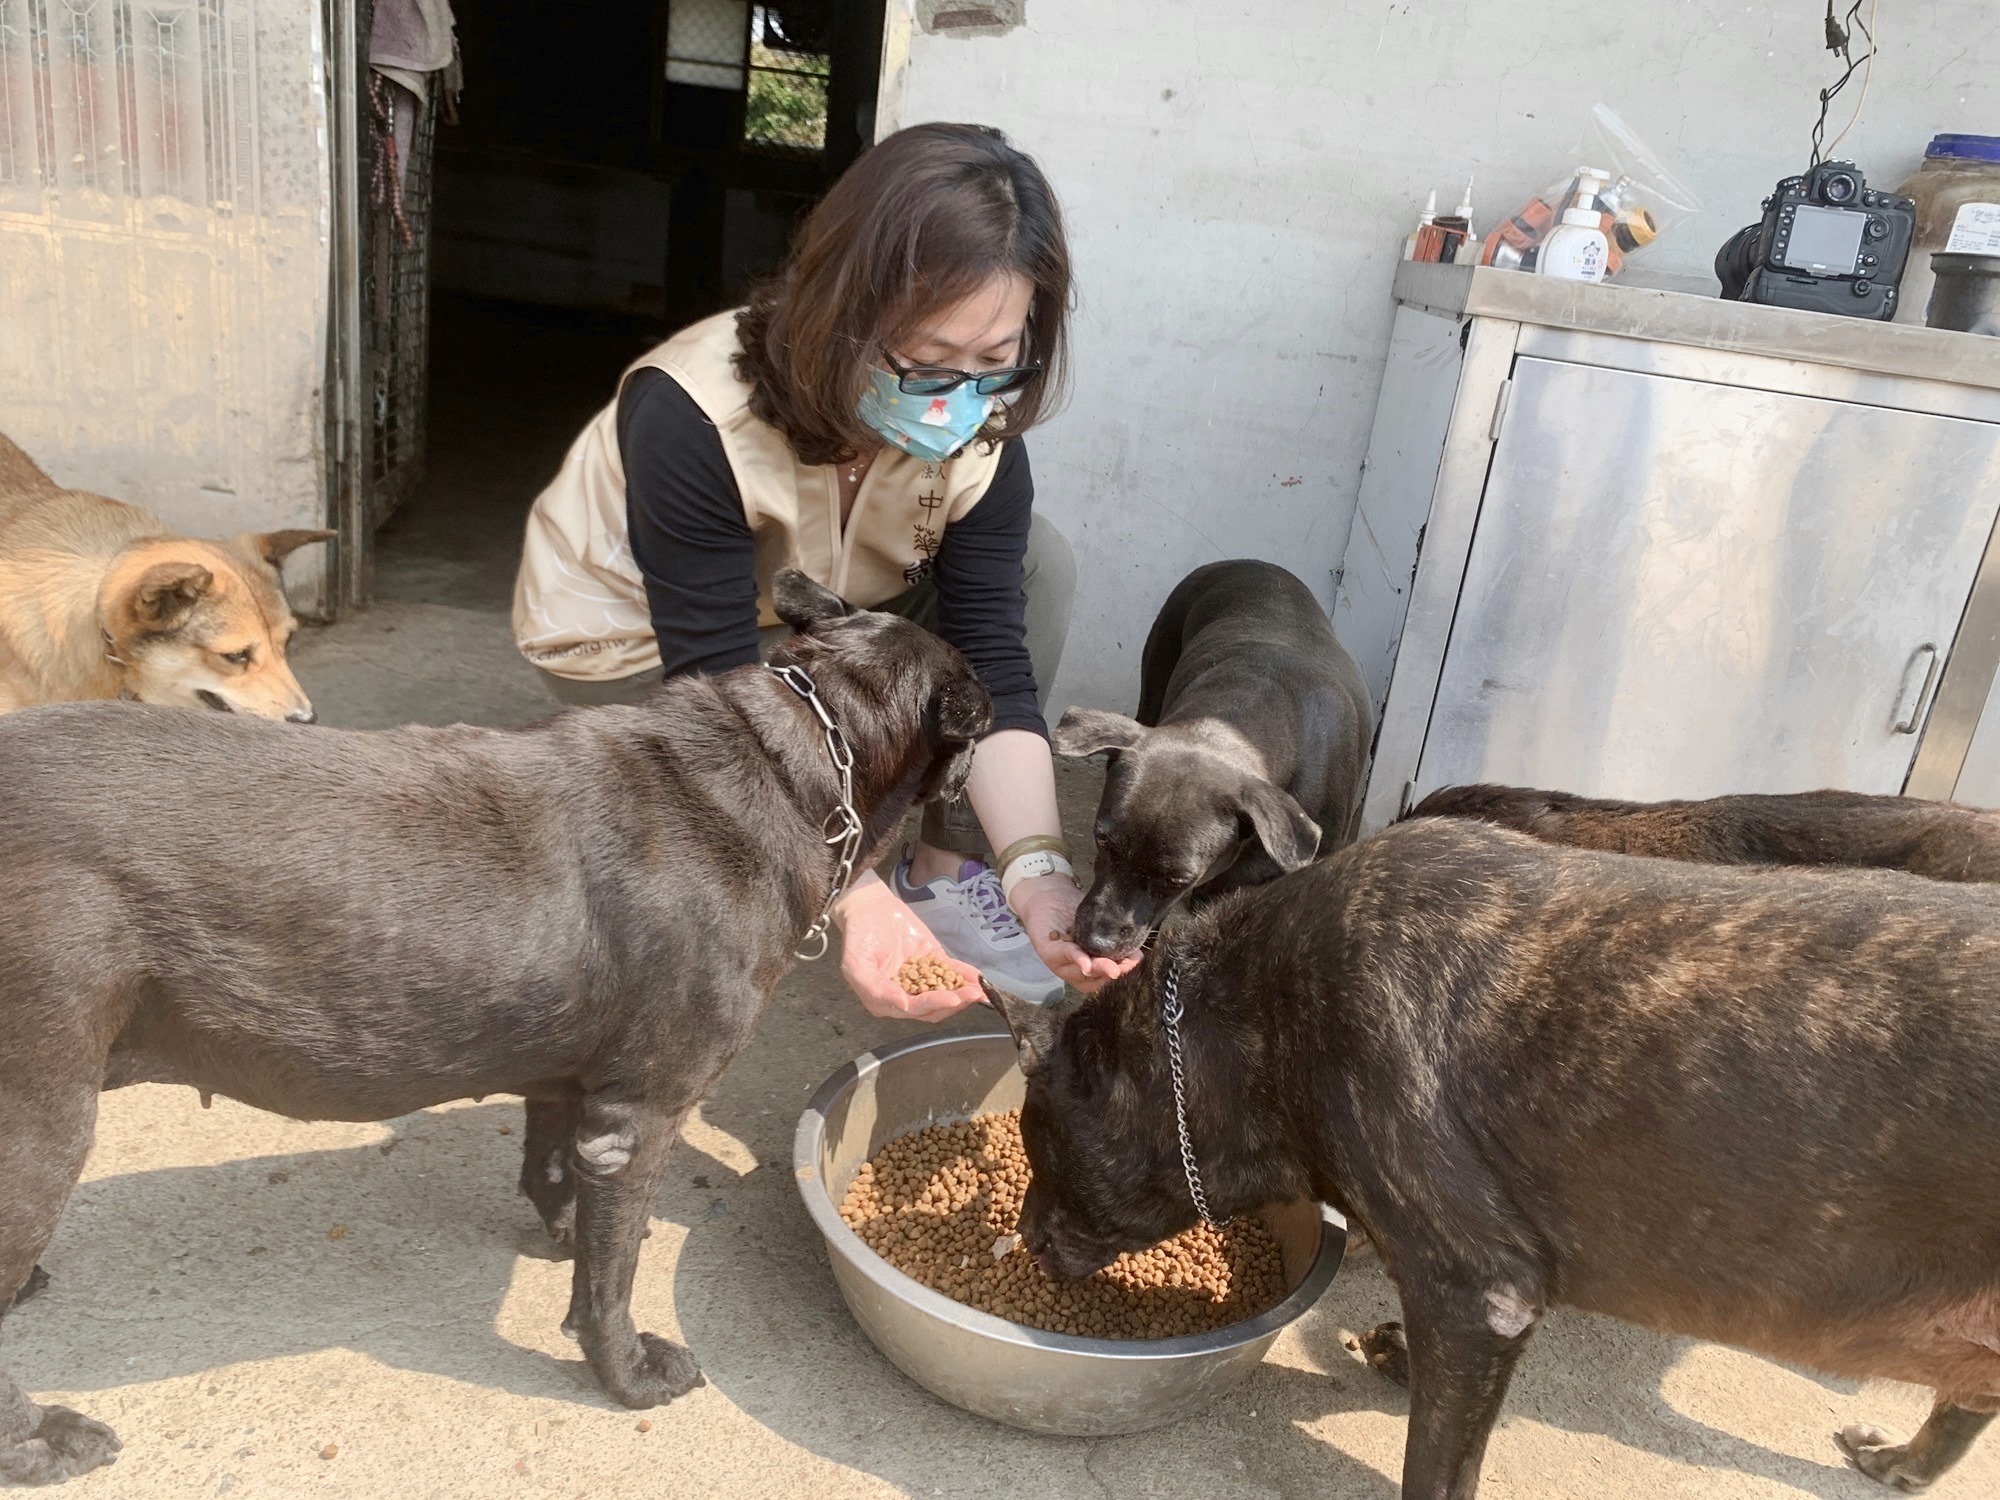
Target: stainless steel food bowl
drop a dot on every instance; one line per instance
(1045, 1382)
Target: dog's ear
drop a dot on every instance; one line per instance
(1092, 731)
(1035, 1027)
(963, 710)
(949, 783)
(167, 593)
(1281, 825)
(275, 546)
(801, 603)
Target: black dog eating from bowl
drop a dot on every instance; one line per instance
(1760, 1107)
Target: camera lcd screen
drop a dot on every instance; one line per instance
(1825, 240)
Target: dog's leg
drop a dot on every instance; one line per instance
(548, 1178)
(1464, 1344)
(46, 1128)
(38, 1279)
(1946, 1436)
(1387, 1352)
(620, 1157)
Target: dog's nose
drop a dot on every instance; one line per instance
(305, 715)
(1107, 937)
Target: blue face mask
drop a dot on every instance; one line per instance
(927, 427)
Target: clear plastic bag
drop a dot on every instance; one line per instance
(1644, 198)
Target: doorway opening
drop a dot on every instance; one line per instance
(610, 172)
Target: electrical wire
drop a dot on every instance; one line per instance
(1868, 72)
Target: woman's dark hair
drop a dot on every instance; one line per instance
(926, 217)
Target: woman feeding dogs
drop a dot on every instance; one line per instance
(861, 419)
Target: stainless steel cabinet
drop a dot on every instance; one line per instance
(1648, 545)
(1678, 588)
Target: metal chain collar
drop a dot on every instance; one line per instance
(1170, 1022)
(843, 824)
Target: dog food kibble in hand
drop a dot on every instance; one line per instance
(942, 1206)
(919, 976)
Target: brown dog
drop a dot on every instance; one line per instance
(1940, 840)
(1755, 1106)
(99, 600)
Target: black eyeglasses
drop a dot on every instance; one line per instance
(930, 380)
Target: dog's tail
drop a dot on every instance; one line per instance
(20, 475)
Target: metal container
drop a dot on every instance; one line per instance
(1966, 294)
(1045, 1382)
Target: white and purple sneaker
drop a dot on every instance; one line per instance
(973, 923)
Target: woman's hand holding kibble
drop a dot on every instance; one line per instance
(881, 942)
(1047, 907)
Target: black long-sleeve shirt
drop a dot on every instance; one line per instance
(697, 556)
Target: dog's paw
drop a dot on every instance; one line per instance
(558, 1225)
(64, 1444)
(665, 1370)
(37, 1279)
(536, 1244)
(1388, 1351)
(1878, 1456)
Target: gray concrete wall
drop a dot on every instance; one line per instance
(1239, 176)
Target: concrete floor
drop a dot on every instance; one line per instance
(240, 1295)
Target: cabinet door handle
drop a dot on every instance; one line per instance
(1908, 720)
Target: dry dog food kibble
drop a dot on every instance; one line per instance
(919, 976)
(941, 1205)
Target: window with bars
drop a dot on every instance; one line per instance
(789, 64)
(777, 57)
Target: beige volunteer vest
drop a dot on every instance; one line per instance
(579, 603)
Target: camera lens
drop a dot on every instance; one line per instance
(1839, 188)
(1736, 260)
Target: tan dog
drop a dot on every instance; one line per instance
(98, 600)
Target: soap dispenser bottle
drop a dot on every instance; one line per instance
(1576, 249)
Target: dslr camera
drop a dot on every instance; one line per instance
(1827, 243)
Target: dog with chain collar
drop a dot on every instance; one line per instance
(591, 912)
(1760, 1107)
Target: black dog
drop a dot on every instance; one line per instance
(1940, 840)
(591, 912)
(1755, 1106)
(1247, 756)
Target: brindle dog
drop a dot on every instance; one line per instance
(1755, 1106)
(592, 912)
(1938, 839)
